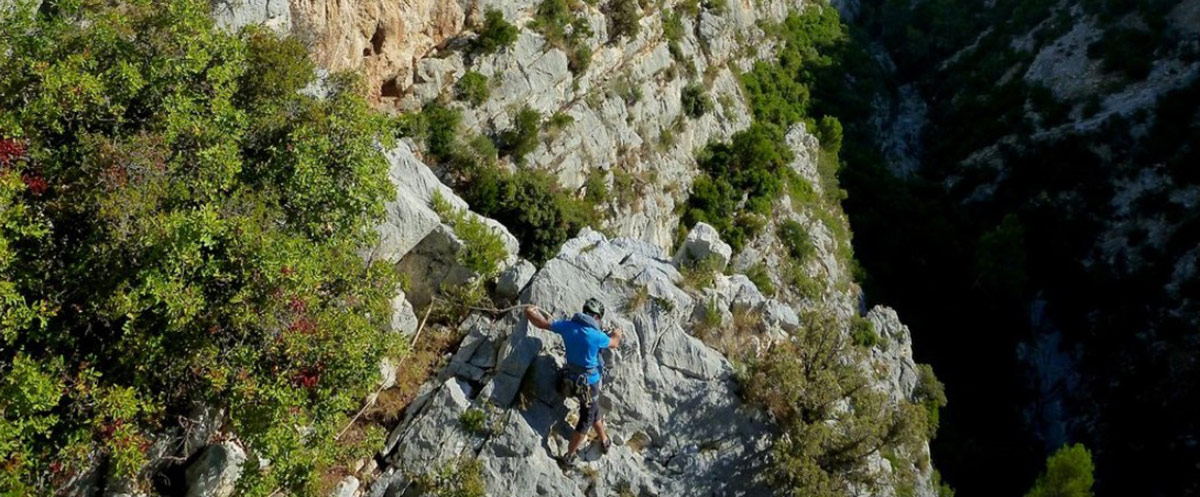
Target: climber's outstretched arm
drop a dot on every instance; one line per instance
(536, 317)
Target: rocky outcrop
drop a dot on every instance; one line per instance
(216, 472)
(670, 400)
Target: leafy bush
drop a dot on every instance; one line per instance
(483, 250)
(473, 421)
(1068, 474)
(862, 330)
(931, 393)
(557, 22)
(823, 449)
(522, 138)
(596, 187)
(739, 182)
(624, 16)
(461, 477)
(672, 26)
(532, 206)
(695, 100)
(795, 238)
(758, 275)
(699, 274)
(174, 231)
(441, 128)
(473, 87)
(496, 33)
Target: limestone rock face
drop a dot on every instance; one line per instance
(384, 39)
(703, 242)
(669, 400)
(216, 472)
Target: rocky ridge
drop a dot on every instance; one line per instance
(672, 404)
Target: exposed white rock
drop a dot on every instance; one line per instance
(404, 320)
(703, 242)
(236, 14)
(514, 279)
(667, 394)
(348, 487)
(216, 471)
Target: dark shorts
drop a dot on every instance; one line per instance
(589, 408)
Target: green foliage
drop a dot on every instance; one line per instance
(596, 187)
(862, 331)
(473, 87)
(761, 279)
(779, 92)
(483, 250)
(672, 26)
(522, 138)
(441, 125)
(532, 206)
(699, 274)
(473, 421)
(180, 225)
(822, 449)
(559, 121)
(795, 238)
(557, 21)
(462, 477)
(931, 393)
(1068, 474)
(695, 100)
(739, 182)
(624, 16)
(496, 34)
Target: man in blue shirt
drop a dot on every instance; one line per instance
(583, 338)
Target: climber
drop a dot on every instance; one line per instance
(583, 338)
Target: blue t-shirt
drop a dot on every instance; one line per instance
(583, 343)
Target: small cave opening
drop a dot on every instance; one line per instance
(377, 40)
(390, 88)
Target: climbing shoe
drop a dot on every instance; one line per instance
(605, 445)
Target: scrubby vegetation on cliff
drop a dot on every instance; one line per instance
(179, 224)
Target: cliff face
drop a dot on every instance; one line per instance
(673, 402)
(1044, 149)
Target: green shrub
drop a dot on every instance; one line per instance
(441, 126)
(596, 187)
(557, 22)
(695, 100)
(496, 34)
(699, 274)
(672, 26)
(758, 275)
(862, 330)
(522, 138)
(483, 250)
(179, 225)
(623, 16)
(932, 394)
(559, 121)
(739, 182)
(795, 238)
(473, 421)
(823, 450)
(1068, 474)
(473, 87)
(461, 477)
(534, 208)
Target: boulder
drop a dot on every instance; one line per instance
(404, 320)
(514, 279)
(348, 487)
(216, 471)
(779, 315)
(703, 242)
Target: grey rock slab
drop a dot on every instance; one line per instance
(216, 471)
(703, 242)
(514, 279)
